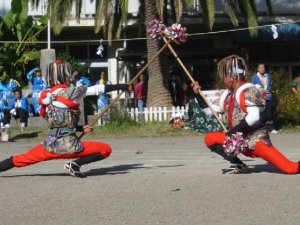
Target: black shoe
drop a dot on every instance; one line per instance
(236, 169)
(74, 170)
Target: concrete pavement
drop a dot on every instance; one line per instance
(170, 180)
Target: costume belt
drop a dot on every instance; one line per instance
(61, 132)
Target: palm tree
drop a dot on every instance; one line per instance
(158, 93)
(112, 14)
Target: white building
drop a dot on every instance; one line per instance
(123, 59)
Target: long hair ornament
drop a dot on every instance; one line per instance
(58, 72)
(232, 66)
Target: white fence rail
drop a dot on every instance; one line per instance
(150, 114)
(162, 113)
(155, 113)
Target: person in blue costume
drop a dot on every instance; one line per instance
(78, 80)
(103, 98)
(18, 108)
(37, 84)
(8, 85)
(263, 82)
(3, 106)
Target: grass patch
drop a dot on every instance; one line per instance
(115, 129)
(123, 129)
(134, 129)
(290, 128)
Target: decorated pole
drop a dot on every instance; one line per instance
(130, 83)
(157, 30)
(193, 81)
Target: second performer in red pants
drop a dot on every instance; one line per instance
(243, 106)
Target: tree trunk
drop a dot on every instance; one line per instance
(158, 92)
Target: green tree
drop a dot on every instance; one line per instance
(73, 61)
(20, 31)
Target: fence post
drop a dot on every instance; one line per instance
(132, 113)
(146, 114)
(182, 110)
(136, 114)
(155, 113)
(165, 113)
(159, 114)
(177, 109)
(173, 110)
(150, 114)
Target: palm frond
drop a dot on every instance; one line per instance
(101, 14)
(124, 11)
(78, 6)
(189, 3)
(109, 30)
(120, 17)
(252, 21)
(58, 12)
(208, 12)
(178, 9)
(231, 11)
(269, 7)
(160, 8)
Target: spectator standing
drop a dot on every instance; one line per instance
(140, 91)
(296, 85)
(103, 79)
(174, 88)
(37, 84)
(263, 81)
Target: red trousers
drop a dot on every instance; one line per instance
(268, 153)
(39, 154)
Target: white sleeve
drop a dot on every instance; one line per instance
(252, 115)
(96, 89)
(208, 111)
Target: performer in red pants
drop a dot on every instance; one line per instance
(243, 105)
(60, 107)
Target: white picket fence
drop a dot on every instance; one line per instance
(162, 113)
(155, 113)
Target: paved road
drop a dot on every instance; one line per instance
(172, 181)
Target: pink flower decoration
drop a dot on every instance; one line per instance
(157, 30)
(235, 144)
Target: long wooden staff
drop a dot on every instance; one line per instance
(130, 83)
(193, 81)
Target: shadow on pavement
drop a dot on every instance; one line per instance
(25, 136)
(36, 175)
(114, 170)
(261, 168)
(122, 169)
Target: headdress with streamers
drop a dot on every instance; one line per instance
(232, 66)
(57, 73)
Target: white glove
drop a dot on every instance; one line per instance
(259, 87)
(13, 112)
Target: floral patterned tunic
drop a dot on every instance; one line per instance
(63, 123)
(235, 105)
